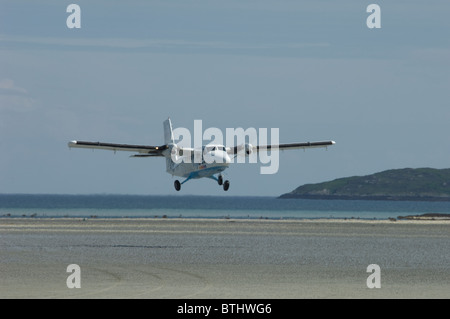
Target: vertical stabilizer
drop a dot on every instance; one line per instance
(168, 135)
(168, 140)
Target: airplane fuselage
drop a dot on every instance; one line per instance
(211, 160)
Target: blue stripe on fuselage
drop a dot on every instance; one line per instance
(207, 172)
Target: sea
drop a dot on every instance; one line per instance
(187, 206)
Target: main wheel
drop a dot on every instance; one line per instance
(226, 185)
(177, 185)
(220, 180)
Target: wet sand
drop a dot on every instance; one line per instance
(196, 258)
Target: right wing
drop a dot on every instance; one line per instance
(143, 150)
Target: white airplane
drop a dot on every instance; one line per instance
(215, 158)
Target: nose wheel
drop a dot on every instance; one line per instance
(177, 185)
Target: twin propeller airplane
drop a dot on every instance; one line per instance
(180, 161)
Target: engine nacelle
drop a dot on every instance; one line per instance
(176, 152)
(248, 149)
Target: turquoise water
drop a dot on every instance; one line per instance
(113, 206)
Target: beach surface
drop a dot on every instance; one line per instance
(223, 258)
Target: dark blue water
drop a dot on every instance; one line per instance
(23, 205)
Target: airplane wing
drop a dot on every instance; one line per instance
(143, 150)
(294, 146)
(248, 148)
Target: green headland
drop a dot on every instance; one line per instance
(422, 184)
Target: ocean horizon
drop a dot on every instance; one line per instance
(200, 206)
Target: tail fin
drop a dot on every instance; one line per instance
(168, 135)
(168, 139)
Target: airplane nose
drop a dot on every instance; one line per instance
(217, 158)
(222, 158)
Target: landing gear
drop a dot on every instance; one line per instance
(218, 179)
(226, 184)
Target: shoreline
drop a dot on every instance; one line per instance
(413, 219)
(393, 198)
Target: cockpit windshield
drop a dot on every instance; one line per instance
(215, 148)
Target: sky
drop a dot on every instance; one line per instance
(313, 69)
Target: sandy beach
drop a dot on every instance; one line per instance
(223, 258)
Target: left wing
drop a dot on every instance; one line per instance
(143, 150)
(293, 146)
(248, 148)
